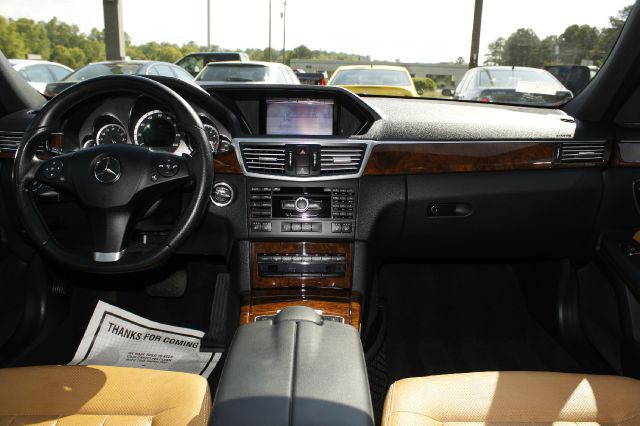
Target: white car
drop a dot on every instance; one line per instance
(252, 72)
(40, 73)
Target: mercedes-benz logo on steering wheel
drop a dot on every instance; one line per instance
(107, 170)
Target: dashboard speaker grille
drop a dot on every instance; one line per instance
(583, 152)
(341, 160)
(264, 159)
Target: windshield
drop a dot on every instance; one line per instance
(98, 70)
(239, 73)
(371, 77)
(439, 44)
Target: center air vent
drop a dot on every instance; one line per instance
(9, 141)
(582, 152)
(341, 160)
(264, 159)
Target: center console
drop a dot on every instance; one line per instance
(295, 368)
(302, 249)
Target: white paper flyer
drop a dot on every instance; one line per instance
(119, 338)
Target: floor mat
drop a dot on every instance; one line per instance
(459, 318)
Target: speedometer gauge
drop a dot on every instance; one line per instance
(213, 136)
(111, 133)
(156, 129)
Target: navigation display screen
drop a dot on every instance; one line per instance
(300, 117)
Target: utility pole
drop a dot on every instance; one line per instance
(269, 30)
(209, 25)
(284, 32)
(113, 30)
(475, 35)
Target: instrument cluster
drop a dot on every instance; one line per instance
(141, 121)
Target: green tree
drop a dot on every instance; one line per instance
(11, 43)
(496, 52)
(609, 36)
(73, 57)
(577, 43)
(523, 48)
(34, 35)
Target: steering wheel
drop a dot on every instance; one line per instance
(114, 183)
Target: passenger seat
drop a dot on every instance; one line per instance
(513, 398)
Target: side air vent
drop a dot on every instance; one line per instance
(341, 160)
(9, 141)
(264, 159)
(582, 152)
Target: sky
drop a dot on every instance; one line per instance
(409, 30)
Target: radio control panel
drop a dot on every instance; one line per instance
(302, 211)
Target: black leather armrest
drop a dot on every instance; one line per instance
(294, 370)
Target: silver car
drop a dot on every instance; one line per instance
(252, 72)
(520, 85)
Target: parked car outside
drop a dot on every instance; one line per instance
(573, 77)
(312, 78)
(99, 69)
(195, 62)
(522, 85)
(252, 72)
(379, 80)
(40, 73)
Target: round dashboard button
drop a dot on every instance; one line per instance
(302, 204)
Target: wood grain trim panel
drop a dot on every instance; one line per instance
(625, 154)
(303, 248)
(347, 306)
(227, 163)
(419, 158)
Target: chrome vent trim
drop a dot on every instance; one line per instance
(583, 152)
(10, 141)
(339, 160)
(263, 159)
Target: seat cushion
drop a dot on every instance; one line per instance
(509, 398)
(98, 395)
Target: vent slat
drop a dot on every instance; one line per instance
(582, 152)
(267, 160)
(341, 160)
(10, 141)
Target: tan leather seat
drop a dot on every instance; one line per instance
(513, 398)
(97, 395)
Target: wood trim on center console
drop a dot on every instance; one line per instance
(342, 303)
(301, 248)
(227, 163)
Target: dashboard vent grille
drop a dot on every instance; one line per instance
(583, 152)
(9, 141)
(265, 159)
(341, 160)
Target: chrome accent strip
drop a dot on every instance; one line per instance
(108, 257)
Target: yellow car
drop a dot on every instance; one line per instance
(384, 80)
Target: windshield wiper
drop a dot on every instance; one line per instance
(237, 79)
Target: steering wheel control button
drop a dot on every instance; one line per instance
(168, 167)
(222, 194)
(54, 170)
(107, 170)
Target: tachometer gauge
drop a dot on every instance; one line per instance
(156, 129)
(213, 136)
(111, 133)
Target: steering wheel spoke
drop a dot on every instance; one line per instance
(111, 230)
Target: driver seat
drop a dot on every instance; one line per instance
(100, 395)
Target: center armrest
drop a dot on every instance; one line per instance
(294, 370)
